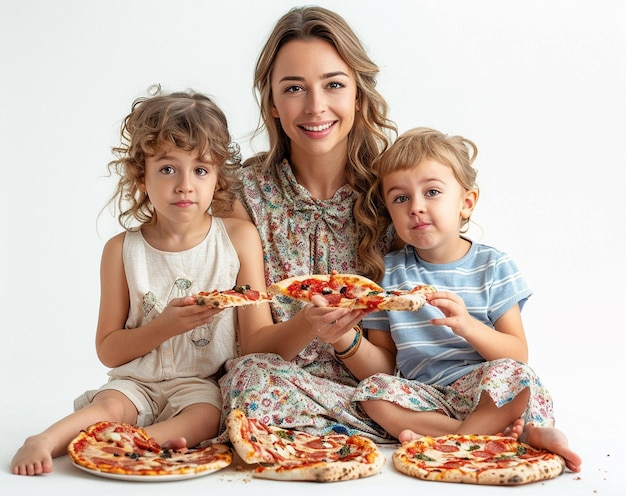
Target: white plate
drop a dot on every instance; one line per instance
(146, 478)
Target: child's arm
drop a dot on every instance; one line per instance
(239, 212)
(245, 238)
(116, 345)
(507, 340)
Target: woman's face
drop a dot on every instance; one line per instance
(314, 96)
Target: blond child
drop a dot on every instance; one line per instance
(461, 359)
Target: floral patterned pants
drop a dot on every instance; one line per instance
(501, 379)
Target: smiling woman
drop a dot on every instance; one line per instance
(326, 122)
(314, 97)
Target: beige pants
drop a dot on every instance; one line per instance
(158, 401)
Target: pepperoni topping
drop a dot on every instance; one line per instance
(333, 299)
(496, 447)
(446, 448)
(149, 444)
(319, 444)
(481, 454)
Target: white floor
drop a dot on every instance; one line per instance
(44, 369)
(602, 475)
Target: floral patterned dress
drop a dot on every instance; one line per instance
(300, 235)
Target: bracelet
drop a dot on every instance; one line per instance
(352, 349)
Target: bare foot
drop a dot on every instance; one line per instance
(175, 444)
(33, 458)
(515, 430)
(407, 435)
(553, 440)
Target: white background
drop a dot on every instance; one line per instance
(538, 85)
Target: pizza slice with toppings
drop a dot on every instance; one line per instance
(350, 291)
(285, 454)
(236, 297)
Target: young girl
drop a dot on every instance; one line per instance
(326, 122)
(175, 162)
(462, 358)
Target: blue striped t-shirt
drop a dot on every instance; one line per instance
(486, 279)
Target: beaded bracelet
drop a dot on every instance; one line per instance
(352, 349)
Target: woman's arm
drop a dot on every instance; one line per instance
(373, 355)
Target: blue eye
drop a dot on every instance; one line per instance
(431, 193)
(401, 199)
(167, 170)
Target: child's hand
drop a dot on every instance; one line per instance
(453, 307)
(182, 315)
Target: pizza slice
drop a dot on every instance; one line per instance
(397, 300)
(236, 297)
(284, 454)
(127, 450)
(350, 291)
(474, 459)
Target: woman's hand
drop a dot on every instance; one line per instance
(329, 324)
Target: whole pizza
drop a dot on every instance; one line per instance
(289, 455)
(111, 448)
(474, 459)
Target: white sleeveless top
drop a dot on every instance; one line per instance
(154, 278)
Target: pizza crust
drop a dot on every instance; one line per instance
(321, 471)
(240, 436)
(297, 456)
(410, 301)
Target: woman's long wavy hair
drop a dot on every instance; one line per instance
(372, 131)
(187, 120)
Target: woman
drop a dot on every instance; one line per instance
(325, 122)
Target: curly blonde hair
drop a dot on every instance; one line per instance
(186, 120)
(372, 131)
(410, 149)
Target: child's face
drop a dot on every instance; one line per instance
(314, 96)
(180, 184)
(426, 204)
